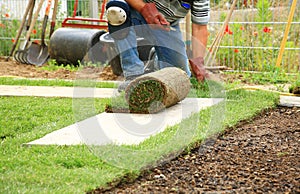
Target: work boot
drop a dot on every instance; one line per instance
(127, 81)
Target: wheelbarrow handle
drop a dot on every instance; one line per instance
(102, 9)
(102, 24)
(36, 15)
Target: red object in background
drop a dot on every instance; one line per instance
(74, 22)
(227, 30)
(267, 29)
(253, 3)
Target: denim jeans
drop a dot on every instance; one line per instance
(169, 46)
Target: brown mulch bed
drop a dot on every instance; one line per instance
(258, 156)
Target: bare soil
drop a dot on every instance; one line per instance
(258, 156)
(14, 68)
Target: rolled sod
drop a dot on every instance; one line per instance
(155, 91)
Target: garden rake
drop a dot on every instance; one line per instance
(23, 51)
(28, 9)
(211, 54)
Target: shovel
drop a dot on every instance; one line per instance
(38, 54)
(21, 54)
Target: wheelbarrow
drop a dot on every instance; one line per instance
(78, 39)
(73, 45)
(86, 23)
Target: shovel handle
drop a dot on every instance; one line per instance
(53, 20)
(36, 15)
(45, 21)
(30, 15)
(29, 6)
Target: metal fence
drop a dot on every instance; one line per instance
(253, 37)
(251, 41)
(12, 13)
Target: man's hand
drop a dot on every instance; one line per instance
(198, 70)
(152, 16)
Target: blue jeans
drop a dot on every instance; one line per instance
(169, 46)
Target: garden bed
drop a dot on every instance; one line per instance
(257, 156)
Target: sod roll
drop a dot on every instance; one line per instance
(155, 91)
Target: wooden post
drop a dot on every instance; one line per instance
(286, 33)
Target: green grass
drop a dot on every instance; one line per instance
(77, 169)
(53, 66)
(276, 76)
(239, 105)
(207, 89)
(53, 82)
(295, 85)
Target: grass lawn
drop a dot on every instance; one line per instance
(53, 82)
(78, 169)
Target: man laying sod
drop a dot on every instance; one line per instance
(158, 22)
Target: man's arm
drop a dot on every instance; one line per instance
(136, 4)
(200, 18)
(200, 34)
(150, 13)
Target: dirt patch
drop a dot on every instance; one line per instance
(14, 68)
(260, 156)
